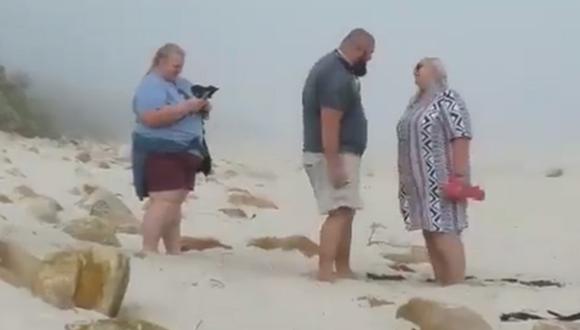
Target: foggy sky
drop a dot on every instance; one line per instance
(515, 63)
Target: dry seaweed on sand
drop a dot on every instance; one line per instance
(375, 302)
(385, 277)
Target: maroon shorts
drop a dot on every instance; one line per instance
(171, 171)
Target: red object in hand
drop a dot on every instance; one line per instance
(456, 190)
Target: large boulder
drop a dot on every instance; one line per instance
(94, 278)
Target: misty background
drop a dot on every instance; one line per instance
(515, 63)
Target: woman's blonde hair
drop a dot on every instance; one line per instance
(164, 52)
(439, 68)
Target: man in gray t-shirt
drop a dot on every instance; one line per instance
(335, 138)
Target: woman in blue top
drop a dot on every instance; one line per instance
(167, 146)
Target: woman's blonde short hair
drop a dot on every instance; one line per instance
(165, 51)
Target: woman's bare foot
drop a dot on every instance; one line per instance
(329, 277)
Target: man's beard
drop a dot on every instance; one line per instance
(359, 68)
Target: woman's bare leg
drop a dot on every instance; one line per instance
(450, 253)
(172, 232)
(162, 213)
(434, 256)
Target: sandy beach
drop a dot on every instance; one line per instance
(525, 230)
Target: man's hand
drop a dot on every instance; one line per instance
(337, 173)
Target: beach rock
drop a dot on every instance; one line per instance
(43, 208)
(103, 203)
(83, 157)
(554, 173)
(200, 244)
(94, 279)
(415, 255)
(432, 315)
(234, 213)
(104, 165)
(25, 191)
(556, 326)
(5, 199)
(247, 199)
(93, 229)
(296, 242)
(115, 324)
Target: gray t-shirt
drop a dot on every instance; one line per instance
(331, 84)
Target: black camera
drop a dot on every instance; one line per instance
(203, 92)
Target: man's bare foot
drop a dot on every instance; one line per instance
(329, 277)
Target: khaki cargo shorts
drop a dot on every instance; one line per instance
(327, 197)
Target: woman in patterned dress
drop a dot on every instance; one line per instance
(433, 142)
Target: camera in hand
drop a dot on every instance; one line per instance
(203, 92)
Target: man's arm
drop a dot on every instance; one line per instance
(330, 121)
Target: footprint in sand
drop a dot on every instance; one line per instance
(16, 173)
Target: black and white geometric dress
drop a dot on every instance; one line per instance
(425, 132)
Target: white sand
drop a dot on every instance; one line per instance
(527, 229)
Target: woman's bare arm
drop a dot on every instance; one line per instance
(169, 114)
(460, 151)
